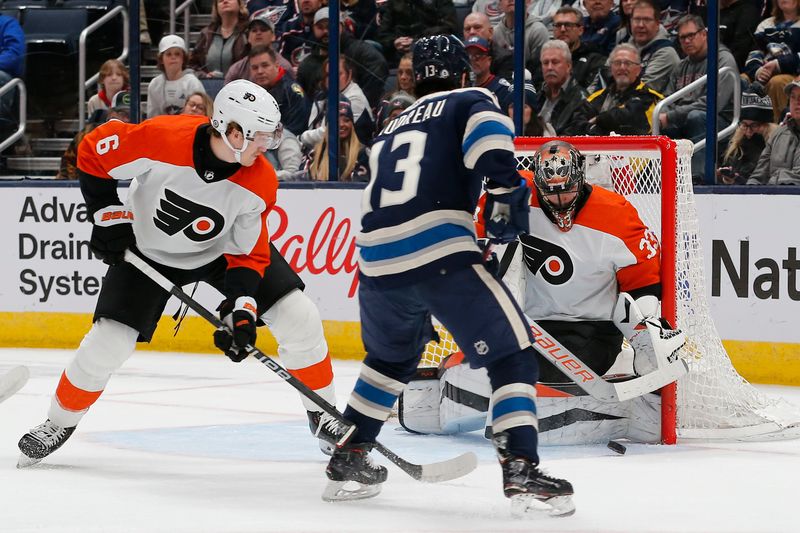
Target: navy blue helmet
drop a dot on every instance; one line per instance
(440, 57)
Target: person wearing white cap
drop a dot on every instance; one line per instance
(167, 92)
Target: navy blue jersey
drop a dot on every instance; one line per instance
(426, 167)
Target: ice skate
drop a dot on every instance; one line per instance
(352, 474)
(326, 429)
(40, 442)
(531, 490)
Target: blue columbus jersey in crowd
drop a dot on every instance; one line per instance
(427, 167)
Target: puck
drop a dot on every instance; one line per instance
(616, 447)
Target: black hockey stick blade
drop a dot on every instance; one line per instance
(433, 472)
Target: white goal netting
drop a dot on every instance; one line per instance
(713, 400)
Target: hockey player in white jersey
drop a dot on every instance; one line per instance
(588, 272)
(419, 256)
(196, 211)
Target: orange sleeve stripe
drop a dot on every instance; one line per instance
(72, 398)
(316, 376)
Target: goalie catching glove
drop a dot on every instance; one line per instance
(506, 211)
(112, 234)
(240, 317)
(655, 343)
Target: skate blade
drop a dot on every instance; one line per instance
(24, 461)
(528, 506)
(336, 491)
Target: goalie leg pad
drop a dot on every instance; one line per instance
(102, 351)
(295, 323)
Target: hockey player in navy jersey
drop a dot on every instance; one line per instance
(588, 272)
(419, 257)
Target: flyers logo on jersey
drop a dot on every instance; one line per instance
(197, 222)
(552, 262)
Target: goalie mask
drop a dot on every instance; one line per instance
(253, 109)
(558, 176)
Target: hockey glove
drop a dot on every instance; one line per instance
(506, 213)
(240, 317)
(112, 234)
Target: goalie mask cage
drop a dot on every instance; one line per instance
(712, 402)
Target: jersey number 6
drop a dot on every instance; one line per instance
(107, 143)
(408, 167)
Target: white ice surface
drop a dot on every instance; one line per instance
(196, 443)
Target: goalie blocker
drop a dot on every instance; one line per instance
(454, 398)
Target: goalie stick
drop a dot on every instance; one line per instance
(431, 472)
(12, 381)
(587, 379)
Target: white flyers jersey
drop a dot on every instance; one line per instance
(577, 275)
(181, 219)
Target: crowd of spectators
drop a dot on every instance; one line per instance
(593, 67)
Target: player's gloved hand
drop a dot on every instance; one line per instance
(112, 234)
(240, 317)
(506, 213)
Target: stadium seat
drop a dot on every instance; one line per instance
(51, 36)
(212, 86)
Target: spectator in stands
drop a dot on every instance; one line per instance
(490, 8)
(260, 30)
(481, 62)
(287, 158)
(297, 39)
(738, 20)
(167, 92)
(198, 103)
(370, 68)
(120, 109)
(223, 42)
(356, 101)
(625, 107)
(686, 117)
(544, 10)
(774, 63)
(535, 34)
(279, 12)
(624, 29)
(532, 125)
(405, 75)
(587, 59)
(659, 57)
(746, 145)
(353, 164)
(393, 106)
(600, 25)
(113, 77)
(477, 24)
(561, 96)
(265, 71)
(779, 163)
(361, 19)
(403, 21)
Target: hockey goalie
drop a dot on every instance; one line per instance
(588, 274)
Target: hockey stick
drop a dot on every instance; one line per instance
(432, 473)
(587, 379)
(12, 381)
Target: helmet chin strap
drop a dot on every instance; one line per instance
(237, 154)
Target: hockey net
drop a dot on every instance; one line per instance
(713, 401)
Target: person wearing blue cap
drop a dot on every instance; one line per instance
(480, 60)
